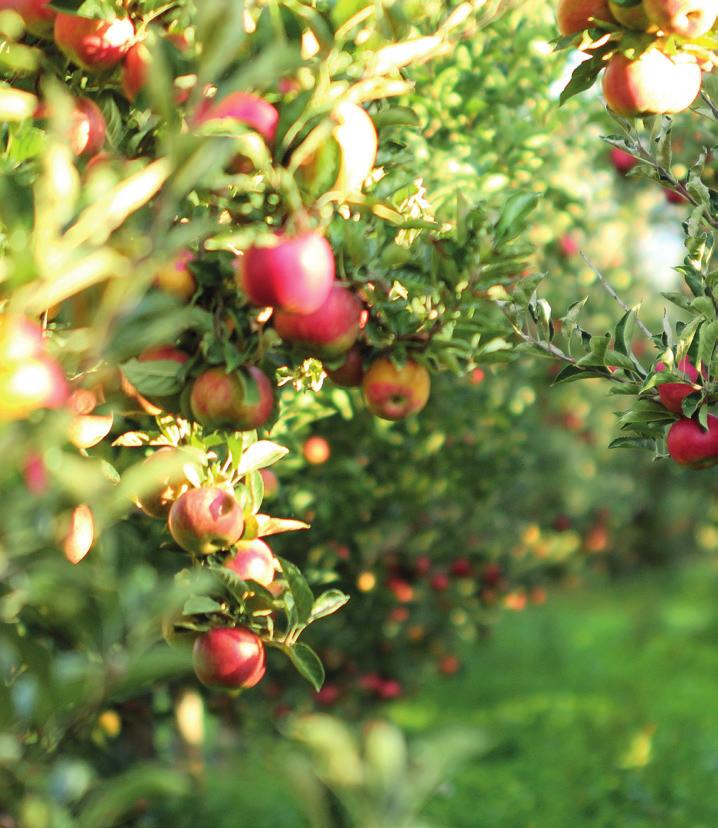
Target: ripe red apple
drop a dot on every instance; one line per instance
(390, 689)
(30, 384)
(271, 483)
(402, 589)
(351, 372)
(87, 134)
(574, 15)
(176, 277)
(393, 393)
(20, 338)
(328, 695)
(622, 160)
(477, 376)
(449, 665)
(316, 450)
(690, 446)
(329, 331)
(491, 575)
(94, 45)
(461, 567)
(229, 658)
(672, 394)
(246, 108)
(632, 17)
(295, 275)
(135, 70)
(568, 245)
(37, 16)
(672, 197)
(685, 18)
(34, 472)
(203, 521)
(439, 582)
(422, 565)
(242, 400)
(654, 84)
(252, 560)
(164, 467)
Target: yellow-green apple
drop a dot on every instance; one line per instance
(203, 521)
(672, 394)
(295, 274)
(78, 533)
(36, 14)
(685, 18)
(229, 658)
(575, 15)
(135, 70)
(165, 470)
(393, 392)
(349, 155)
(653, 84)
(252, 560)
(328, 332)
(316, 450)
(176, 277)
(93, 45)
(351, 372)
(689, 445)
(632, 17)
(242, 400)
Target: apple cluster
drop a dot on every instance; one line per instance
(654, 56)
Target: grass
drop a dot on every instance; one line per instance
(600, 708)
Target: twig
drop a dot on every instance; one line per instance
(612, 293)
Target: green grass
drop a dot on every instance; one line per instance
(602, 705)
(601, 708)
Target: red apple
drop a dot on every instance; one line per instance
(449, 665)
(316, 450)
(203, 521)
(672, 197)
(87, 134)
(246, 108)
(135, 70)
(393, 393)
(573, 16)
(672, 394)
(461, 567)
(163, 467)
(351, 372)
(294, 275)
(328, 332)
(242, 400)
(568, 245)
(491, 575)
(37, 16)
(654, 84)
(402, 589)
(328, 695)
(477, 376)
(271, 483)
(229, 658)
(622, 160)
(94, 45)
(20, 338)
(29, 385)
(689, 445)
(252, 560)
(439, 582)
(686, 18)
(390, 689)
(422, 565)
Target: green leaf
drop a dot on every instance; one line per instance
(260, 455)
(200, 605)
(308, 664)
(515, 210)
(328, 603)
(583, 77)
(298, 586)
(156, 377)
